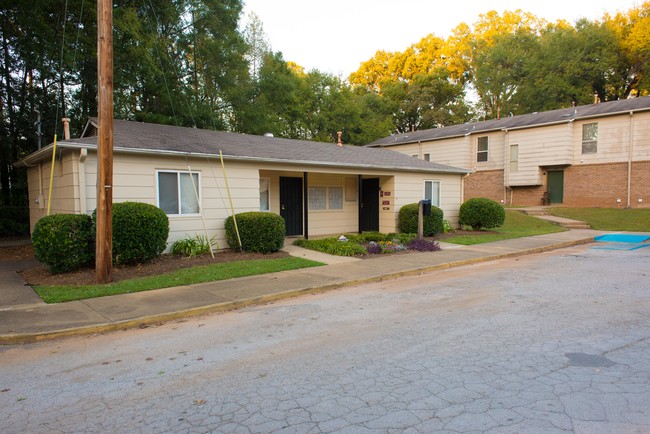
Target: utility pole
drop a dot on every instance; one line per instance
(104, 235)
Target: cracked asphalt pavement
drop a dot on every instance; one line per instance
(552, 342)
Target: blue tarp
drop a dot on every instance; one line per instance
(622, 238)
(623, 241)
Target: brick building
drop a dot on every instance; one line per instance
(588, 156)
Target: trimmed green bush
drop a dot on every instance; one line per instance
(481, 213)
(64, 242)
(261, 232)
(140, 232)
(407, 220)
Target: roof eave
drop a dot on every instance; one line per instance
(41, 154)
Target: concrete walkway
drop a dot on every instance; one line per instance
(25, 319)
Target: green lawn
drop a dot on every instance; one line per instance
(186, 276)
(517, 225)
(608, 219)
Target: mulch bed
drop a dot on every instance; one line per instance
(39, 275)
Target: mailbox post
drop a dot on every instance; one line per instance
(424, 210)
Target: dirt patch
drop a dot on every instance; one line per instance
(40, 275)
(16, 253)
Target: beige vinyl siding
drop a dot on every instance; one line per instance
(452, 152)
(614, 139)
(544, 146)
(65, 197)
(496, 142)
(641, 137)
(134, 177)
(411, 190)
(321, 222)
(332, 221)
(388, 217)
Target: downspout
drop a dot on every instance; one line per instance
(420, 149)
(628, 202)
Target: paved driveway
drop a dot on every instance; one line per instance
(555, 342)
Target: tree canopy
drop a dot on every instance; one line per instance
(199, 63)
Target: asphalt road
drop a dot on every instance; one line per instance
(554, 342)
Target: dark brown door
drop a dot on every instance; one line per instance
(369, 205)
(291, 204)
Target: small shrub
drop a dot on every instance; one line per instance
(261, 232)
(64, 242)
(400, 238)
(481, 213)
(407, 220)
(140, 232)
(423, 245)
(447, 227)
(193, 246)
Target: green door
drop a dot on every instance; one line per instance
(555, 186)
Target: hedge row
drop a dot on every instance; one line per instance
(66, 242)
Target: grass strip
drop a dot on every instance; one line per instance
(185, 276)
(609, 219)
(517, 225)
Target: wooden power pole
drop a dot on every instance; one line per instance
(104, 237)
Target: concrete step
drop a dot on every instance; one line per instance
(534, 211)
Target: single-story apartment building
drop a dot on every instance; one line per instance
(588, 156)
(318, 188)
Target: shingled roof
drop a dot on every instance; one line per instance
(149, 138)
(519, 122)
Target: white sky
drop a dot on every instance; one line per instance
(336, 36)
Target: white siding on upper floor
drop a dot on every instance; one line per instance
(615, 135)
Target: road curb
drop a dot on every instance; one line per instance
(144, 322)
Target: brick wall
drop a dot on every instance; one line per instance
(640, 186)
(592, 185)
(488, 183)
(601, 185)
(525, 196)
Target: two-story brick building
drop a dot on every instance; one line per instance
(588, 156)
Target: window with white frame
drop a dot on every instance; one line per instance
(590, 138)
(426, 157)
(265, 195)
(482, 149)
(325, 198)
(178, 192)
(514, 158)
(432, 192)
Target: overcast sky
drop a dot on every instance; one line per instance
(336, 36)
